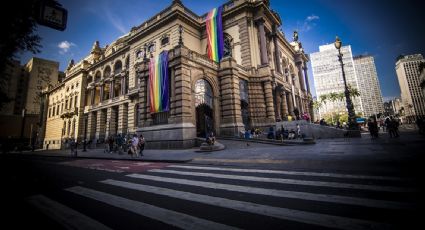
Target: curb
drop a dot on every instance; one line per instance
(285, 143)
(103, 158)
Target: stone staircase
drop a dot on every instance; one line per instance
(315, 131)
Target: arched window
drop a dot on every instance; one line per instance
(203, 93)
(117, 67)
(107, 72)
(97, 76)
(227, 46)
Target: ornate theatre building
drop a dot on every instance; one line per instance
(179, 75)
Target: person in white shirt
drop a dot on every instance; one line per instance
(134, 145)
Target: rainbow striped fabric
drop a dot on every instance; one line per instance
(214, 29)
(159, 83)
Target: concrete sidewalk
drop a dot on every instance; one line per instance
(154, 155)
(323, 153)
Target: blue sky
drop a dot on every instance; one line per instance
(383, 29)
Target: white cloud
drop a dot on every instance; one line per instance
(309, 23)
(312, 17)
(65, 46)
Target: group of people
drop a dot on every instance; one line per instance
(137, 145)
(283, 133)
(134, 145)
(250, 133)
(390, 124)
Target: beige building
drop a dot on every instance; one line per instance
(369, 88)
(41, 74)
(22, 115)
(261, 79)
(408, 74)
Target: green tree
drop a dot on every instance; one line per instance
(20, 35)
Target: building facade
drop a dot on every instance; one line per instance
(16, 80)
(328, 78)
(261, 79)
(22, 116)
(408, 74)
(41, 74)
(369, 88)
(422, 78)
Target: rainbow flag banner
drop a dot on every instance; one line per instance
(159, 83)
(215, 34)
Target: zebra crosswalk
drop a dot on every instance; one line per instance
(244, 198)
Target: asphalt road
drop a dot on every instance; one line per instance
(64, 193)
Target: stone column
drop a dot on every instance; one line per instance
(278, 104)
(101, 124)
(300, 104)
(290, 104)
(278, 67)
(110, 121)
(306, 78)
(268, 90)
(284, 104)
(263, 48)
(91, 125)
(122, 118)
(301, 76)
(102, 86)
(92, 95)
(111, 89)
(123, 86)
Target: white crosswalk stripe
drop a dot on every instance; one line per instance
(281, 213)
(205, 190)
(170, 217)
(289, 181)
(280, 193)
(295, 173)
(65, 216)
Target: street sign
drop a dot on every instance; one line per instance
(52, 15)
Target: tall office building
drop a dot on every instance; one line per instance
(408, 74)
(369, 89)
(328, 78)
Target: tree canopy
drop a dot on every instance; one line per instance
(18, 22)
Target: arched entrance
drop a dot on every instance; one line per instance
(204, 108)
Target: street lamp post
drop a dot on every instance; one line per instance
(352, 124)
(85, 133)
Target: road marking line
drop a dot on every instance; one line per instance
(281, 213)
(65, 216)
(170, 217)
(289, 181)
(282, 193)
(257, 161)
(297, 173)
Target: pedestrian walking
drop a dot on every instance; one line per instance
(298, 131)
(141, 144)
(134, 145)
(73, 147)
